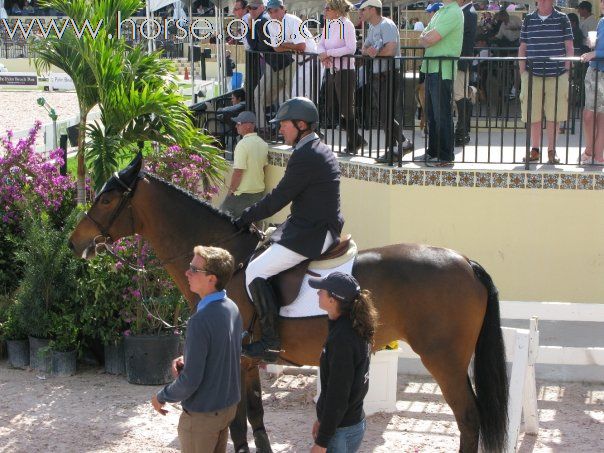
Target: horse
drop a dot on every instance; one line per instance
(444, 305)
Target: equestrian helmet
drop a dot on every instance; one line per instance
(297, 109)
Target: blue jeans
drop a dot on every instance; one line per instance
(348, 439)
(439, 94)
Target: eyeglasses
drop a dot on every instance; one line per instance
(195, 270)
(253, 8)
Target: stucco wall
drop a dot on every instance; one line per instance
(540, 235)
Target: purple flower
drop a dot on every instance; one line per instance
(127, 332)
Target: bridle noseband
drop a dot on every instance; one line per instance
(105, 237)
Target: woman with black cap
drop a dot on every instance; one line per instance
(340, 424)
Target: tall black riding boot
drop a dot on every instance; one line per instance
(462, 129)
(263, 297)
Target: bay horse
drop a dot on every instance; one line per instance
(442, 304)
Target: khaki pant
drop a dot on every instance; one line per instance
(273, 88)
(205, 432)
(555, 91)
(460, 85)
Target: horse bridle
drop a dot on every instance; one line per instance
(126, 196)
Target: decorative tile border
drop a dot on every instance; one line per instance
(491, 179)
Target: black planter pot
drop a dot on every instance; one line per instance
(18, 353)
(63, 363)
(39, 360)
(149, 358)
(114, 358)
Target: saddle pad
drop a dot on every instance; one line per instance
(307, 302)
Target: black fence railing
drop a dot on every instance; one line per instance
(376, 108)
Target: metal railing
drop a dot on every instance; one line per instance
(388, 102)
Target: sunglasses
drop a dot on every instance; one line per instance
(196, 270)
(253, 8)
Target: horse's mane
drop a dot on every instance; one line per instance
(190, 196)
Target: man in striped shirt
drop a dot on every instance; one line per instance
(545, 33)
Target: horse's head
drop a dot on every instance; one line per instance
(110, 216)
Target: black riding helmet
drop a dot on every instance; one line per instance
(298, 109)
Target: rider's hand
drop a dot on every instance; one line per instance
(242, 224)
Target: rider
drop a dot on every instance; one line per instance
(312, 184)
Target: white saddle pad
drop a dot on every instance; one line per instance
(307, 302)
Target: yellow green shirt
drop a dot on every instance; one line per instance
(448, 22)
(251, 155)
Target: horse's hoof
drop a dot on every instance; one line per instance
(263, 443)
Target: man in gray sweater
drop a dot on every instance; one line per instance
(208, 375)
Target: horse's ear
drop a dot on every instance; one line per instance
(128, 174)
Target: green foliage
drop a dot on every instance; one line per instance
(102, 294)
(11, 323)
(136, 91)
(47, 292)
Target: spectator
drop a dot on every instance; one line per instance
(344, 363)
(219, 122)
(338, 41)
(509, 30)
(593, 114)
(545, 33)
(251, 157)
(383, 40)
(493, 6)
(290, 36)
(240, 12)
(179, 14)
(443, 37)
(578, 39)
(229, 66)
(432, 8)
(588, 22)
(418, 25)
(461, 92)
(208, 375)
(276, 80)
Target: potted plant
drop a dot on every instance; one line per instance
(65, 342)
(47, 291)
(153, 312)
(13, 331)
(102, 290)
(31, 190)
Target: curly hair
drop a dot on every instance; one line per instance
(362, 313)
(343, 7)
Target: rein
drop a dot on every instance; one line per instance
(104, 243)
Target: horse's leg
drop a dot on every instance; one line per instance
(451, 374)
(255, 410)
(238, 426)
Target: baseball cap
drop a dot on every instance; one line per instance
(434, 7)
(365, 4)
(274, 4)
(245, 117)
(340, 285)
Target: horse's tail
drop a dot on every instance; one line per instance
(490, 377)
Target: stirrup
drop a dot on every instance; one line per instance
(268, 356)
(257, 350)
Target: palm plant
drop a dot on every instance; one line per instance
(136, 91)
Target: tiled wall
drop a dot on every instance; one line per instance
(460, 178)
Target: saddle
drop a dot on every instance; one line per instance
(287, 283)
